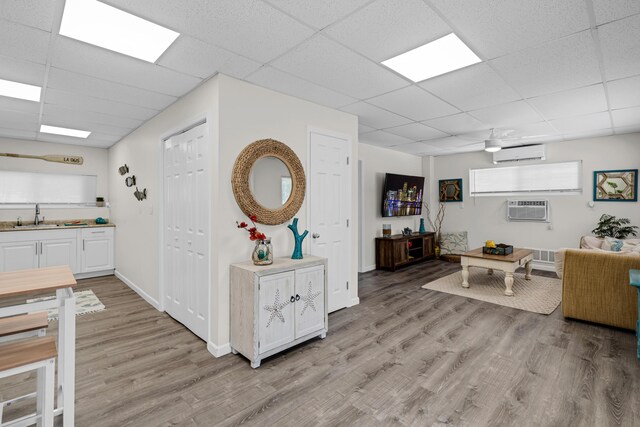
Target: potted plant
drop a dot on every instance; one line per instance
(618, 228)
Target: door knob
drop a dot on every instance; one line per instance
(315, 235)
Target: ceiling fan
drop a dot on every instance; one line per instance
(498, 137)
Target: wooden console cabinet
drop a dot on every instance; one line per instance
(399, 250)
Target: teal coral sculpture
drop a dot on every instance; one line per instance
(297, 250)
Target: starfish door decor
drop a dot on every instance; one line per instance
(276, 308)
(309, 299)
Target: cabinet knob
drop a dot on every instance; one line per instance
(292, 299)
(297, 297)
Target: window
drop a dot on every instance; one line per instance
(26, 188)
(285, 186)
(549, 178)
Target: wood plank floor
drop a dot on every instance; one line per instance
(404, 356)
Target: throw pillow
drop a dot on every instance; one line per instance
(591, 242)
(611, 244)
(453, 243)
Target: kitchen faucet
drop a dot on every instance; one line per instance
(37, 220)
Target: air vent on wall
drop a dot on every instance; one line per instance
(518, 154)
(528, 210)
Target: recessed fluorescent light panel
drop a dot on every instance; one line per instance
(432, 59)
(64, 131)
(96, 23)
(19, 90)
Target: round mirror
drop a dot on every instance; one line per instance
(270, 182)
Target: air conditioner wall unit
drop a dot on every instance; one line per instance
(518, 154)
(528, 210)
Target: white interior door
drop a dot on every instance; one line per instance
(309, 309)
(276, 310)
(186, 225)
(330, 211)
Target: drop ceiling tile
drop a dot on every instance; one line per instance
(91, 86)
(381, 138)
(364, 128)
(626, 117)
(87, 103)
(249, 28)
(574, 102)
(328, 64)
(624, 93)
(19, 105)
(22, 42)
(415, 148)
(620, 42)
(19, 121)
(607, 10)
(51, 110)
(33, 13)
(588, 122)
(384, 29)
(450, 142)
(414, 103)
(21, 71)
(416, 132)
(530, 130)
(628, 129)
(17, 133)
(318, 14)
(567, 63)
(457, 124)
(92, 61)
(373, 116)
(472, 87)
(282, 82)
(495, 28)
(507, 115)
(61, 139)
(72, 122)
(588, 134)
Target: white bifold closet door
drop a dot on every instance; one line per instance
(186, 229)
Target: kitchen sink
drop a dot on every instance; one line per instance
(21, 227)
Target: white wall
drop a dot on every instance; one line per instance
(239, 113)
(95, 163)
(485, 217)
(376, 162)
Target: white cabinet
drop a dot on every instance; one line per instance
(278, 306)
(97, 249)
(87, 251)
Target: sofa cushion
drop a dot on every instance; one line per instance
(591, 242)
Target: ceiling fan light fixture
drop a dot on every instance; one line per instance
(492, 145)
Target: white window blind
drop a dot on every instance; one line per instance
(20, 188)
(558, 178)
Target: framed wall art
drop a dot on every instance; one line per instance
(615, 185)
(450, 190)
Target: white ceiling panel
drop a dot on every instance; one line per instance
(61, 139)
(318, 14)
(381, 138)
(247, 27)
(92, 61)
(386, 28)
(624, 93)
(588, 134)
(628, 129)
(574, 102)
(22, 42)
(91, 86)
(16, 133)
(87, 103)
(472, 87)
(457, 124)
(416, 132)
(507, 115)
(71, 122)
(496, 28)
(19, 105)
(449, 143)
(564, 64)
(282, 82)
(620, 42)
(364, 128)
(607, 10)
(51, 110)
(626, 117)
(21, 71)
(584, 123)
(33, 13)
(373, 116)
(328, 64)
(19, 121)
(415, 148)
(414, 103)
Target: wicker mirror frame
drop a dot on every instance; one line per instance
(242, 173)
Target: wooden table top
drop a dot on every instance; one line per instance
(517, 255)
(24, 282)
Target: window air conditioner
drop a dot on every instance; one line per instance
(528, 210)
(517, 154)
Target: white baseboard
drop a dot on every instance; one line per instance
(218, 350)
(145, 296)
(545, 266)
(93, 274)
(368, 268)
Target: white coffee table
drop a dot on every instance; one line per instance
(507, 263)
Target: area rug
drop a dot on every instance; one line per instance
(538, 295)
(86, 302)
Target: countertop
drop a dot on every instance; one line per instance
(9, 225)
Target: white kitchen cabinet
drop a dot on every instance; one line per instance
(97, 249)
(278, 306)
(18, 255)
(55, 252)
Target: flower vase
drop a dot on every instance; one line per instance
(262, 252)
(422, 229)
